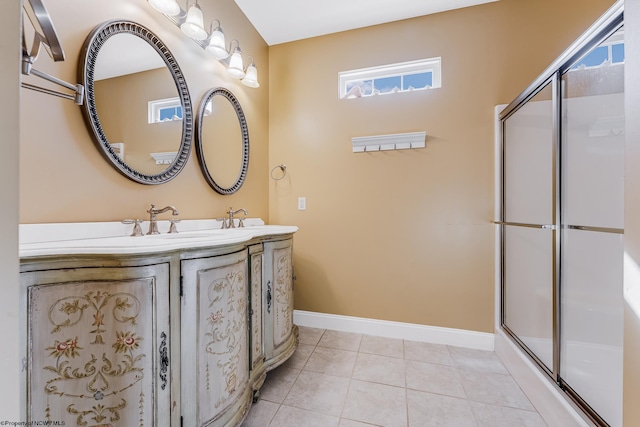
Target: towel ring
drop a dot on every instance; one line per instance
(283, 168)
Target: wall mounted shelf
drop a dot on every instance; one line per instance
(399, 141)
(165, 158)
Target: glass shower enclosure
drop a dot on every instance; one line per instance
(562, 223)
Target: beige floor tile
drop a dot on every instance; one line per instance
(261, 414)
(340, 340)
(331, 361)
(479, 360)
(376, 404)
(495, 389)
(319, 393)
(434, 410)
(427, 352)
(350, 423)
(380, 369)
(434, 378)
(382, 346)
(300, 356)
(278, 383)
(288, 416)
(500, 416)
(309, 336)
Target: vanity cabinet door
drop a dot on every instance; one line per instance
(215, 340)
(280, 333)
(256, 255)
(98, 345)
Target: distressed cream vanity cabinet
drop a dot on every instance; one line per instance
(169, 333)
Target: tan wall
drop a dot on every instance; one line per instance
(405, 235)
(63, 178)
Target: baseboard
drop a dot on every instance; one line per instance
(548, 400)
(407, 331)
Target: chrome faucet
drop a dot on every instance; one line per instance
(231, 213)
(153, 218)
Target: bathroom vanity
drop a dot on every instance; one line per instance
(164, 330)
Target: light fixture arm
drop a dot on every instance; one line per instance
(183, 13)
(211, 26)
(231, 46)
(211, 30)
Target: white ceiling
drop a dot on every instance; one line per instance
(281, 21)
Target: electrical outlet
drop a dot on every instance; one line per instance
(302, 203)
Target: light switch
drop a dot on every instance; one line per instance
(302, 203)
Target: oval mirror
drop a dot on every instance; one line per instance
(137, 104)
(222, 141)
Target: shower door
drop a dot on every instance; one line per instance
(591, 300)
(562, 221)
(529, 231)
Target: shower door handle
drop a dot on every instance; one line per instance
(523, 224)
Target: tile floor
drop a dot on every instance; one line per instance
(338, 379)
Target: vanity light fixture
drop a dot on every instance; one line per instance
(236, 69)
(168, 7)
(193, 26)
(251, 75)
(216, 46)
(191, 22)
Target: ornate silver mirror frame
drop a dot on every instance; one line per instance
(87, 64)
(207, 98)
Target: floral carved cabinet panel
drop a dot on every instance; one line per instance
(280, 336)
(97, 346)
(257, 347)
(215, 338)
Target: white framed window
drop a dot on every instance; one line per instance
(165, 110)
(610, 52)
(393, 78)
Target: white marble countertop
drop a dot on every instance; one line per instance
(115, 238)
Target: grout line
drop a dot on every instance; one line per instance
(274, 415)
(344, 403)
(291, 388)
(406, 379)
(406, 396)
(404, 350)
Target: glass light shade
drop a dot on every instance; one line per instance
(235, 64)
(251, 76)
(216, 45)
(168, 7)
(194, 24)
